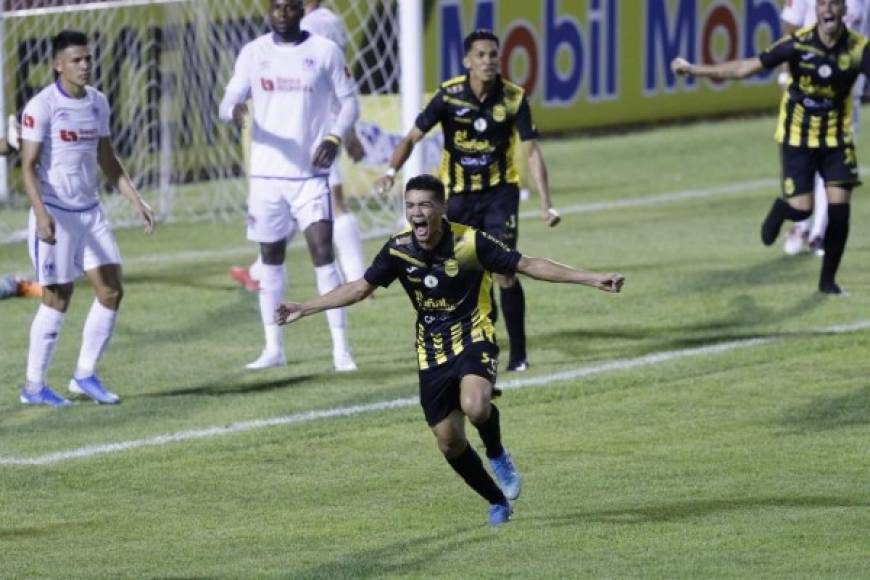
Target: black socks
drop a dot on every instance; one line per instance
(779, 212)
(513, 304)
(835, 244)
(470, 468)
(490, 434)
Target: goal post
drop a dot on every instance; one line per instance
(163, 65)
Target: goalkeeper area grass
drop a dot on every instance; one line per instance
(710, 421)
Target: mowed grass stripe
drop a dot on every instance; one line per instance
(581, 208)
(317, 415)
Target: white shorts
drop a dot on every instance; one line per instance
(84, 241)
(278, 207)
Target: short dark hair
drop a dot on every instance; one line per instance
(479, 34)
(67, 38)
(426, 182)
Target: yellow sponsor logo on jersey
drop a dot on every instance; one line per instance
(466, 145)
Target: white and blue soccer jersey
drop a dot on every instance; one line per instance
(292, 87)
(69, 130)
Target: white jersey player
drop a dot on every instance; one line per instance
(294, 78)
(797, 14)
(346, 233)
(64, 139)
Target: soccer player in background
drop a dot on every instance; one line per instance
(797, 14)
(64, 138)
(346, 234)
(293, 77)
(483, 117)
(445, 268)
(814, 129)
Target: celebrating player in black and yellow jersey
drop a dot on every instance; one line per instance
(446, 270)
(484, 117)
(814, 127)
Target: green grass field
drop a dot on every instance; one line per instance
(710, 422)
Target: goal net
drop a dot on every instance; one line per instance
(163, 64)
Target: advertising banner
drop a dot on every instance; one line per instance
(597, 63)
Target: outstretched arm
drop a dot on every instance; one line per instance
(730, 70)
(550, 271)
(344, 295)
(118, 178)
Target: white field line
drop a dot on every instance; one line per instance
(653, 200)
(310, 416)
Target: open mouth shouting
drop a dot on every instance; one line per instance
(421, 228)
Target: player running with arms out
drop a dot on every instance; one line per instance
(797, 14)
(484, 116)
(293, 77)
(346, 233)
(814, 127)
(64, 138)
(445, 268)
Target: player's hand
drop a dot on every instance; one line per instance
(681, 66)
(326, 153)
(288, 312)
(45, 227)
(147, 215)
(354, 147)
(552, 217)
(240, 114)
(385, 184)
(610, 282)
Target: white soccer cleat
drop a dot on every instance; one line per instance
(343, 362)
(794, 241)
(268, 360)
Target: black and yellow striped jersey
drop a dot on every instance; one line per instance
(480, 138)
(448, 286)
(816, 108)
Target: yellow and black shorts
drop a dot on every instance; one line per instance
(439, 385)
(837, 166)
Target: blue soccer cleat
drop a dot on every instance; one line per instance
(92, 388)
(45, 396)
(506, 475)
(500, 513)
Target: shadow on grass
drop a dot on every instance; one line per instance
(779, 269)
(234, 386)
(744, 314)
(832, 412)
(401, 558)
(697, 509)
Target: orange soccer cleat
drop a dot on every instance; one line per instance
(243, 277)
